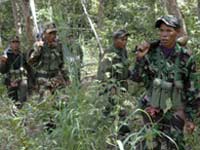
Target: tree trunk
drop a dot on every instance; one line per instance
(198, 9)
(100, 13)
(1, 45)
(28, 23)
(16, 15)
(173, 9)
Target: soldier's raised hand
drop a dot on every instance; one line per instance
(3, 59)
(142, 49)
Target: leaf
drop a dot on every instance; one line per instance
(120, 144)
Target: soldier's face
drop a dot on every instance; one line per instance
(167, 35)
(51, 37)
(15, 45)
(120, 42)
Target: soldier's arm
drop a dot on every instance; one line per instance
(36, 53)
(105, 67)
(140, 69)
(3, 64)
(192, 89)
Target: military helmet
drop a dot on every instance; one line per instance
(169, 20)
(120, 33)
(50, 27)
(14, 38)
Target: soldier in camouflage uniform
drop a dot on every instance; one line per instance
(48, 62)
(114, 63)
(168, 72)
(13, 64)
(76, 53)
(113, 72)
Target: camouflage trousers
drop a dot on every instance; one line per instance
(47, 86)
(18, 93)
(171, 128)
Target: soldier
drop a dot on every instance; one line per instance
(48, 62)
(114, 63)
(76, 53)
(113, 72)
(167, 70)
(13, 64)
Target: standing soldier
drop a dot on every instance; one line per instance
(113, 72)
(167, 70)
(76, 53)
(14, 66)
(114, 63)
(48, 62)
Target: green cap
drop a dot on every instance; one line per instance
(50, 27)
(168, 20)
(120, 33)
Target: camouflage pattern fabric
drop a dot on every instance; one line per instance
(15, 71)
(169, 82)
(50, 69)
(114, 65)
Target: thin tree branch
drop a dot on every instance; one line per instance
(93, 28)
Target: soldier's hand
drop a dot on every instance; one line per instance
(142, 49)
(3, 59)
(189, 127)
(14, 84)
(152, 111)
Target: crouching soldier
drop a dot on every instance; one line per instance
(13, 65)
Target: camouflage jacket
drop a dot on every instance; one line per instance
(114, 64)
(167, 77)
(15, 68)
(48, 63)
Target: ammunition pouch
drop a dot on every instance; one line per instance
(177, 93)
(163, 91)
(155, 98)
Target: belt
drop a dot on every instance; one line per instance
(45, 75)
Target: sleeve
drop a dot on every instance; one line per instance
(35, 54)
(143, 71)
(3, 67)
(105, 68)
(138, 71)
(192, 89)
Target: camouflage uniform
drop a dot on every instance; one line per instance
(15, 69)
(114, 63)
(168, 76)
(48, 63)
(76, 53)
(113, 72)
